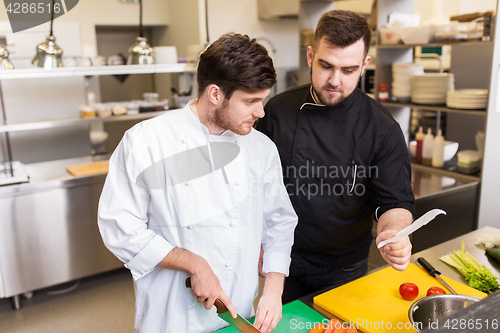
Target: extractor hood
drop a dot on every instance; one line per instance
(278, 9)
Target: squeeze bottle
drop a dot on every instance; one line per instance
(438, 150)
(419, 137)
(427, 148)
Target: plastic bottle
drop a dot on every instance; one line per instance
(437, 150)
(427, 148)
(419, 137)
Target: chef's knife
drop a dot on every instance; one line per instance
(433, 272)
(423, 220)
(240, 323)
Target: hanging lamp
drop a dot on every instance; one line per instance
(140, 53)
(48, 54)
(5, 63)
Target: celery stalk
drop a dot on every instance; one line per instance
(478, 276)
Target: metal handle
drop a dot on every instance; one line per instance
(428, 267)
(219, 304)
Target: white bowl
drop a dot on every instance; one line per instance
(450, 149)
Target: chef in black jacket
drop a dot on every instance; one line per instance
(345, 162)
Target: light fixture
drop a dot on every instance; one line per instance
(140, 53)
(5, 63)
(48, 54)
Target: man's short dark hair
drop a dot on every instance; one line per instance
(236, 62)
(343, 28)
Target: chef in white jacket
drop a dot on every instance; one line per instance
(195, 193)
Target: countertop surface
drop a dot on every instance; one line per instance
(428, 181)
(48, 174)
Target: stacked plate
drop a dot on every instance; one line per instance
(467, 98)
(431, 88)
(401, 74)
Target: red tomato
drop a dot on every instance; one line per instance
(435, 291)
(408, 291)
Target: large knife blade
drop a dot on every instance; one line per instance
(423, 220)
(240, 323)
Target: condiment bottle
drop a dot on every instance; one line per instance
(438, 150)
(383, 92)
(427, 148)
(419, 137)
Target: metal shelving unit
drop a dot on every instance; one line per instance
(52, 123)
(437, 108)
(96, 70)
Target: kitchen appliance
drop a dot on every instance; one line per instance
(297, 317)
(373, 303)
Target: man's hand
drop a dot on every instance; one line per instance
(269, 309)
(396, 254)
(390, 223)
(204, 283)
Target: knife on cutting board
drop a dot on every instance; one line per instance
(240, 323)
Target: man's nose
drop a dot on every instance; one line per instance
(259, 111)
(334, 79)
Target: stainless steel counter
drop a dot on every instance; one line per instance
(48, 229)
(477, 251)
(46, 175)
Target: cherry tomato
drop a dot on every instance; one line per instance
(435, 291)
(408, 291)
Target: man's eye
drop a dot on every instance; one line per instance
(326, 67)
(349, 71)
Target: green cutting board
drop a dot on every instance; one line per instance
(297, 318)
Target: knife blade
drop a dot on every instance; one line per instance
(423, 220)
(433, 272)
(240, 323)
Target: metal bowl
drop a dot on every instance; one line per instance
(432, 309)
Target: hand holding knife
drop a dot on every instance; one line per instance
(423, 220)
(224, 313)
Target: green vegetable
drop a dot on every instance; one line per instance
(478, 276)
(494, 253)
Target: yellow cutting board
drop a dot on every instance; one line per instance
(373, 303)
(90, 169)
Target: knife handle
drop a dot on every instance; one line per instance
(219, 304)
(428, 267)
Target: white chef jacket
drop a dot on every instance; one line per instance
(223, 216)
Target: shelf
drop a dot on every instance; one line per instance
(97, 70)
(407, 46)
(442, 108)
(52, 123)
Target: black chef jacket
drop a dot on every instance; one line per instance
(342, 166)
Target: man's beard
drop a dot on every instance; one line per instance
(223, 119)
(324, 101)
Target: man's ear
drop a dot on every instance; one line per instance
(365, 64)
(214, 94)
(310, 55)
